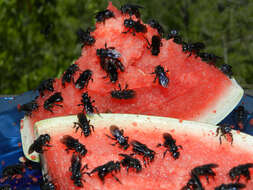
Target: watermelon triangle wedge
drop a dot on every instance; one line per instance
(197, 145)
(195, 90)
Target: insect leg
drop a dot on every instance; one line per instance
(117, 179)
(165, 153)
(110, 137)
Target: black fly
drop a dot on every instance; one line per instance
(13, 170)
(155, 24)
(123, 94)
(110, 67)
(193, 47)
(230, 186)
(85, 38)
(170, 145)
(130, 162)
(175, 36)
(208, 57)
(243, 169)
(28, 108)
(227, 70)
(84, 124)
(131, 10)
(204, 170)
(73, 144)
(103, 15)
(142, 149)
(109, 61)
(107, 168)
(68, 75)
(38, 144)
(84, 79)
(193, 184)
(76, 170)
(155, 45)
(134, 26)
(118, 136)
(161, 75)
(52, 100)
(87, 104)
(225, 130)
(46, 85)
(108, 52)
(46, 184)
(240, 116)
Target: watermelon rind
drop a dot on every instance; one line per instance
(223, 106)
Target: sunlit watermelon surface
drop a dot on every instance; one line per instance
(162, 173)
(194, 86)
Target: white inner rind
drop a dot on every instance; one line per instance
(202, 131)
(27, 138)
(225, 104)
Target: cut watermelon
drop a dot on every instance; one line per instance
(195, 91)
(199, 142)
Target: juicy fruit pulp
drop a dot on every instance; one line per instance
(199, 147)
(193, 91)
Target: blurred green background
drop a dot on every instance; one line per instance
(38, 37)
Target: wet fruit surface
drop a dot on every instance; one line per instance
(161, 173)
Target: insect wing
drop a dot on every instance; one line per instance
(163, 80)
(31, 148)
(113, 53)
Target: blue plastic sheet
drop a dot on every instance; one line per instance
(10, 140)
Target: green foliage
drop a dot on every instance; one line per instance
(28, 54)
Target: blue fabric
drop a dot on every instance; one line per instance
(10, 140)
(11, 151)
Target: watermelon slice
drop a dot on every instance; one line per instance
(196, 90)
(199, 142)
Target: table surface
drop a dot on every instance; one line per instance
(10, 140)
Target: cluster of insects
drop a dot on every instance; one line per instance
(112, 167)
(206, 171)
(110, 62)
(130, 161)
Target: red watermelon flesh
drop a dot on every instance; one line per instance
(199, 147)
(196, 91)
